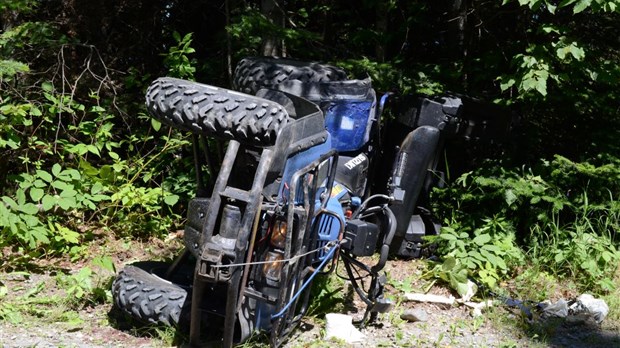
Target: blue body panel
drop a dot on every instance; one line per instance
(297, 162)
(329, 226)
(348, 121)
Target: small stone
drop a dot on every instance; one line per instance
(414, 315)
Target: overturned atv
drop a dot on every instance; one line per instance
(303, 184)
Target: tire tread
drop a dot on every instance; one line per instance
(208, 110)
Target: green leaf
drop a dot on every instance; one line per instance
(29, 208)
(48, 202)
(99, 198)
(71, 174)
(106, 173)
(67, 235)
(565, 3)
(155, 124)
(171, 199)
(39, 183)
(447, 236)
(577, 52)
(61, 185)
(510, 197)
(492, 248)
(477, 256)
(66, 203)
(44, 175)
(461, 287)
(10, 68)
(47, 86)
(482, 239)
(113, 155)
(68, 193)
(36, 194)
(105, 262)
(96, 188)
(449, 264)
(35, 111)
(561, 52)
(56, 168)
(507, 84)
(541, 86)
(581, 5)
(93, 149)
(493, 260)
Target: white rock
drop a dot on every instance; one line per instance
(341, 327)
(429, 298)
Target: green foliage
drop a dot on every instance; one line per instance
(88, 286)
(578, 6)
(327, 295)
(17, 5)
(80, 189)
(402, 286)
(565, 212)
(177, 60)
(10, 68)
(486, 253)
(534, 284)
(68, 162)
(250, 27)
(389, 76)
(581, 249)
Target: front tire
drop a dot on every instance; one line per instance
(218, 112)
(143, 294)
(254, 73)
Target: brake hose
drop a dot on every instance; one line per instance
(329, 255)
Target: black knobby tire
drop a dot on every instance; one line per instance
(254, 73)
(213, 111)
(145, 296)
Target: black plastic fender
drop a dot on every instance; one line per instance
(409, 174)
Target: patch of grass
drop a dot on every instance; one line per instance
(535, 284)
(328, 295)
(613, 302)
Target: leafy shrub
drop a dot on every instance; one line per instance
(563, 214)
(488, 253)
(71, 160)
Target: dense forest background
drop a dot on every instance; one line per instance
(79, 157)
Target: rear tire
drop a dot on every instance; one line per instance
(218, 112)
(254, 73)
(141, 293)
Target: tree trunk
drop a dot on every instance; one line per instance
(382, 28)
(274, 11)
(458, 32)
(229, 70)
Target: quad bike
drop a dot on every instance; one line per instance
(305, 184)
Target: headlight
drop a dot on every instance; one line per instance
(273, 267)
(278, 234)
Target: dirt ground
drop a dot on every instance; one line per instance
(445, 325)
